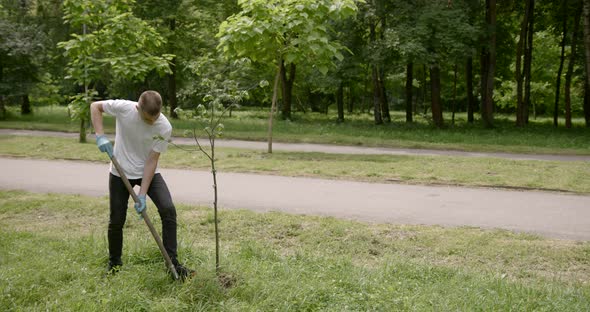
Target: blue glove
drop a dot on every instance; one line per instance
(140, 206)
(104, 145)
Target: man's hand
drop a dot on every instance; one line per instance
(140, 206)
(104, 145)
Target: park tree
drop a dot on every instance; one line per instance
(111, 44)
(437, 34)
(375, 18)
(189, 28)
(488, 64)
(570, 66)
(286, 34)
(523, 72)
(22, 46)
(568, 16)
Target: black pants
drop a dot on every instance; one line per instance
(119, 199)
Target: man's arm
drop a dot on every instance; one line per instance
(104, 145)
(96, 111)
(148, 171)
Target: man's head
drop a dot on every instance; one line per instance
(149, 106)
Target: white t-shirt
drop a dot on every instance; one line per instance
(134, 138)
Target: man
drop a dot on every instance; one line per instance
(137, 124)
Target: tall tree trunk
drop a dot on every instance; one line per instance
(520, 46)
(483, 67)
(314, 101)
(350, 106)
(409, 90)
(561, 62)
(25, 108)
(436, 108)
(454, 94)
(489, 58)
(383, 98)
(2, 108)
(570, 70)
(340, 102)
(528, 61)
(82, 137)
(587, 104)
(287, 88)
(273, 105)
(172, 76)
(2, 105)
(375, 79)
(376, 96)
(470, 97)
(424, 90)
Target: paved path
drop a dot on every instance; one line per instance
(550, 214)
(334, 149)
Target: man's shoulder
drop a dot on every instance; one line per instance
(118, 105)
(163, 123)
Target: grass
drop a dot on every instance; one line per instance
(466, 171)
(53, 256)
(251, 124)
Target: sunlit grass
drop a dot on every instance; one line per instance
(358, 129)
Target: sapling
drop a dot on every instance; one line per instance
(212, 114)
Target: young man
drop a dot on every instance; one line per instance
(137, 123)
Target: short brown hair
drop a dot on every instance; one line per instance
(151, 102)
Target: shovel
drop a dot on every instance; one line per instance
(146, 219)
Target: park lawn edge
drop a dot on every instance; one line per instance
(249, 165)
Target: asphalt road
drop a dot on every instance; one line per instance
(554, 215)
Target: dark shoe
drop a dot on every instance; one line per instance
(113, 268)
(183, 272)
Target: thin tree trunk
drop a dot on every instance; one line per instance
(25, 108)
(340, 102)
(409, 90)
(483, 67)
(2, 108)
(376, 98)
(570, 70)
(424, 91)
(350, 105)
(82, 137)
(2, 105)
(287, 88)
(215, 216)
(470, 97)
(273, 106)
(561, 62)
(375, 79)
(454, 95)
(490, 62)
(435, 95)
(587, 104)
(518, 70)
(528, 62)
(172, 76)
(383, 98)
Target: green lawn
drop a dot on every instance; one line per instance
(251, 124)
(494, 172)
(53, 256)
